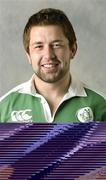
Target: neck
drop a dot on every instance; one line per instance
(53, 92)
(57, 88)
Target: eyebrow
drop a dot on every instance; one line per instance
(39, 42)
(58, 40)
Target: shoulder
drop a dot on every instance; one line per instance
(97, 103)
(94, 95)
(15, 90)
(11, 101)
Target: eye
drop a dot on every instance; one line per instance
(57, 45)
(38, 47)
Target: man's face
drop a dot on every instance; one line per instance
(49, 53)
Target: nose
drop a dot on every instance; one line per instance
(49, 52)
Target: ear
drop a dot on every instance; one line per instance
(29, 59)
(73, 50)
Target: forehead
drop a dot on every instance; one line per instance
(48, 32)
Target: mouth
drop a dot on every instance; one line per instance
(50, 65)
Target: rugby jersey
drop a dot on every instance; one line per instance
(79, 104)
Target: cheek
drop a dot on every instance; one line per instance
(35, 58)
(64, 52)
(64, 55)
(59, 54)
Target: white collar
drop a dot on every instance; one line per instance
(76, 88)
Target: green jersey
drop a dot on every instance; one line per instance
(79, 104)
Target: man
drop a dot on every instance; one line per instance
(52, 94)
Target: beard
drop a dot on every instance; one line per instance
(52, 76)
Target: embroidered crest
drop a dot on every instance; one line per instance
(85, 114)
(21, 116)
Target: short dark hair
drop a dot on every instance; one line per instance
(49, 16)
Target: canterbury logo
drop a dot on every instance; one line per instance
(21, 116)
